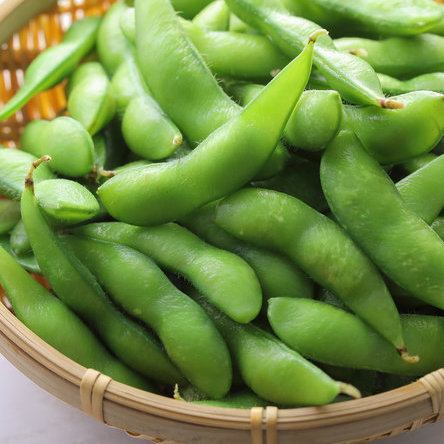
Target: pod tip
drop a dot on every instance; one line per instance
(177, 140)
(407, 357)
(350, 390)
(176, 394)
(316, 34)
(391, 104)
(359, 52)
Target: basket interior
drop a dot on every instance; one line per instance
(18, 52)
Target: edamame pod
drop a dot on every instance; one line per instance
(392, 136)
(27, 261)
(54, 64)
(188, 335)
(214, 17)
(66, 201)
(189, 8)
(14, 165)
(426, 82)
(112, 45)
(50, 319)
(240, 400)
(412, 165)
(330, 335)
(9, 215)
(64, 139)
(423, 190)
(366, 202)
(356, 81)
(314, 121)
(19, 240)
(379, 17)
(320, 247)
(222, 277)
(90, 100)
(276, 274)
(75, 286)
(272, 370)
(248, 139)
(398, 57)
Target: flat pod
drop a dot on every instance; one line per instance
(55, 63)
(392, 136)
(332, 336)
(65, 140)
(14, 165)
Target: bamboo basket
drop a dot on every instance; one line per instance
(145, 415)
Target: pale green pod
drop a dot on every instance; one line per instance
(9, 215)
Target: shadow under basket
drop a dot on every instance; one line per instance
(145, 415)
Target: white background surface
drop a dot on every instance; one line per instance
(29, 415)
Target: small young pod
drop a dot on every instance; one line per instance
(9, 215)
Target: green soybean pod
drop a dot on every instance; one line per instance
(9, 215)
(393, 136)
(14, 165)
(239, 400)
(366, 202)
(54, 64)
(422, 191)
(378, 17)
(148, 131)
(112, 45)
(327, 334)
(276, 274)
(66, 202)
(50, 319)
(314, 121)
(188, 335)
(320, 247)
(19, 240)
(64, 139)
(272, 370)
(77, 287)
(396, 56)
(90, 100)
(426, 82)
(189, 8)
(222, 277)
(355, 80)
(414, 164)
(214, 17)
(166, 192)
(27, 261)
(438, 226)
(237, 55)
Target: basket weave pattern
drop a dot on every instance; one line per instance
(420, 403)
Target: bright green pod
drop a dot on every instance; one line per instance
(148, 131)
(112, 45)
(414, 164)
(353, 78)
(9, 215)
(393, 136)
(319, 246)
(314, 121)
(65, 140)
(272, 370)
(188, 335)
(214, 17)
(27, 261)
(90, 100)
(366, 202)
(377, 17)
(66, 201)
(438, 226)
(276, 274)
(426, 82)
(222, 277)
(398, 57)
(14, 165)
(55, 63)
(327, 334)
(240, 400)
(77, 288)
(56, 324)
(166, 192)
(19, 241)
(422, 191)
(189, 8)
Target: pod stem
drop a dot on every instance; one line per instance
(349, 390)
(391, 104)
(407, 357)
(29, 180)
(316, 34)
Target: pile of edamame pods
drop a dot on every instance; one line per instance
(238, 208)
